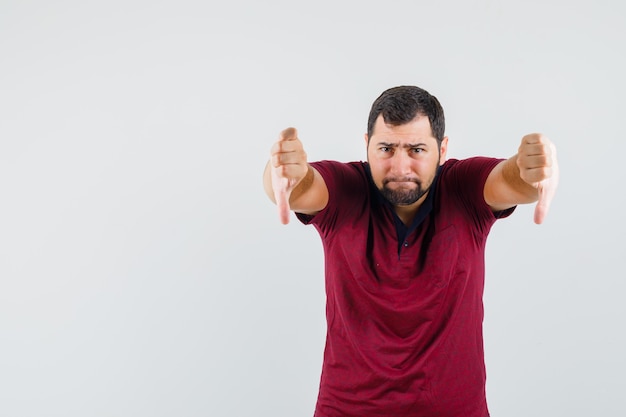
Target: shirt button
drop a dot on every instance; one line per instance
(406, 244)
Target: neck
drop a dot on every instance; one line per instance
(407, 213)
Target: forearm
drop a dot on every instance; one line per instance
(530, 175)
(300, 189)
(505, 187)
(522, 191)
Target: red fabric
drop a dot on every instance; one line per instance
(404, 331)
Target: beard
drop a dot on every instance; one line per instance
(403, 196)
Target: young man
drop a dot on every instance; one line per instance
(404, 237)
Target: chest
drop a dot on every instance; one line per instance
(368, 251)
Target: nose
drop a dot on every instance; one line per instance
(402, 164)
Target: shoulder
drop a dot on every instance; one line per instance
(467, 169)
(331, 165)
(347, 184)
(462, 183)
(336, 173)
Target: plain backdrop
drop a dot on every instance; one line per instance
(143, 272)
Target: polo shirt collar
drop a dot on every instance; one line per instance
(423, 211)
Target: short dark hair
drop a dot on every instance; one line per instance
(400, 105)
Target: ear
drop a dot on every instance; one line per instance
(366, 139)
(443, 150)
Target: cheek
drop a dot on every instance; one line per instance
(422, 166)
(429, 164)
(377, 175)
(425, 170)
(378, 172)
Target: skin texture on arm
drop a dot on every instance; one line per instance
(290, 182)
(530, 175)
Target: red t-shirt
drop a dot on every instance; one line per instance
(404, 335)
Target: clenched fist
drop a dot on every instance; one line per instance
(537, 163)
(288, 165)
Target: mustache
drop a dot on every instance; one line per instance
(400, 179)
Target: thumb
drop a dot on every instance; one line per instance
(547, 189)
(543, 205)
(281, 195)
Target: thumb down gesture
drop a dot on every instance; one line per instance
(288, 167)
(538, 167)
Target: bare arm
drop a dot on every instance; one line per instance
(290, 182)
(530, 175)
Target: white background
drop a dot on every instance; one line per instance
(143, 272)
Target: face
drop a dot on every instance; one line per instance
(404, 159)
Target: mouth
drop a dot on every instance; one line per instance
(400, 181)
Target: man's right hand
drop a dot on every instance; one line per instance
(288, 165)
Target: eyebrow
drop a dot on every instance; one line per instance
(406, 146)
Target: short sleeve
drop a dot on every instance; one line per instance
(347, 185)
(463, 183)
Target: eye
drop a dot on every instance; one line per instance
(385, 149)
(417, 150)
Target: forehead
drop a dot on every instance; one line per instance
(418, 128)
